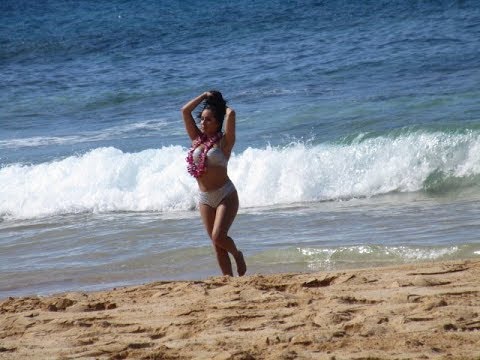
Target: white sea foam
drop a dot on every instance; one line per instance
(330, 257)
(106, 179)
(371, 167)
(114, 132)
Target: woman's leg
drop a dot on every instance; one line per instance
(217, 223)
(208, 216)
(224, 244)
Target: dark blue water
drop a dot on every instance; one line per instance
(336, 101)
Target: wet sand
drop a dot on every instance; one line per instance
(420, 311)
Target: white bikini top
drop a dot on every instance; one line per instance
(215, 156)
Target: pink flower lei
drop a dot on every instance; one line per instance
(197, 170)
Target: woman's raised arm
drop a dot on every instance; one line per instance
(229, 130)
(192, 129)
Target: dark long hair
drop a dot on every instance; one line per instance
(217, 104)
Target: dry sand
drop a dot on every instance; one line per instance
(422, 311)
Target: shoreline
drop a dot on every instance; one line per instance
(415, 311)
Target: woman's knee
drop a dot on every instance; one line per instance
(218, 237)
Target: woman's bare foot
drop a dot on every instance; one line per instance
(241, 265)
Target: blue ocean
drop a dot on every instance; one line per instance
(358, 136)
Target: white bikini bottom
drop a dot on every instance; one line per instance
(214, 198)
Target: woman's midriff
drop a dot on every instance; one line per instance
(214, 178)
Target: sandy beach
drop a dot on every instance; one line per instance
(421, 311)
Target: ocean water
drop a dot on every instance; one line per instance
(358, 136)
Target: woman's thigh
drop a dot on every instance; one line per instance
(225, 214)
(208, 217)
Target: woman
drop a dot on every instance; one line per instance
(207, 162)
